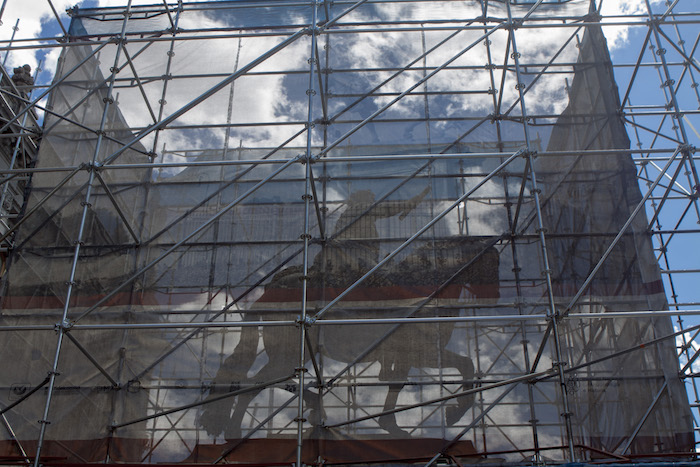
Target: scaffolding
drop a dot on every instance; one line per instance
(352, 232)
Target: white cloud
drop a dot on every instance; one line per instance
(618, 36)
(272, 98)
(31, 26)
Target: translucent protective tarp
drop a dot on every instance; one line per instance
(214, 278)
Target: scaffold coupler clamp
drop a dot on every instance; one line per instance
(312, 30)
(90, 166)
(686, 149)
(556, 314)
(514, 24)
(557, 365)
(307, 158)
(306, 321)
(64, 325)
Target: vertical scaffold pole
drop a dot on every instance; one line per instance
(64, 325)
(166, 77)
(677, 115)
(15, 28)
(552, 313)
(300, 370)
(686, 149)
(2, 10)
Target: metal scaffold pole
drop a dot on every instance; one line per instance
(552, 311)
(306, 235)
(63, 326)
(456, 233)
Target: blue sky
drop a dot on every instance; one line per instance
(36, 19)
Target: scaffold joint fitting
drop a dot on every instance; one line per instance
(306, 321)
(64, 325)
(514, 24)
(303, 158)
(554, 315)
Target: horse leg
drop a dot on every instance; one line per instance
(214, 417)
(316, 413)
(396, 375)
(233, 429)
(465, 366)
(268, 372)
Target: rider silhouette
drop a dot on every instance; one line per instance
(355, 241)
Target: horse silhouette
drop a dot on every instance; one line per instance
(439, 272)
